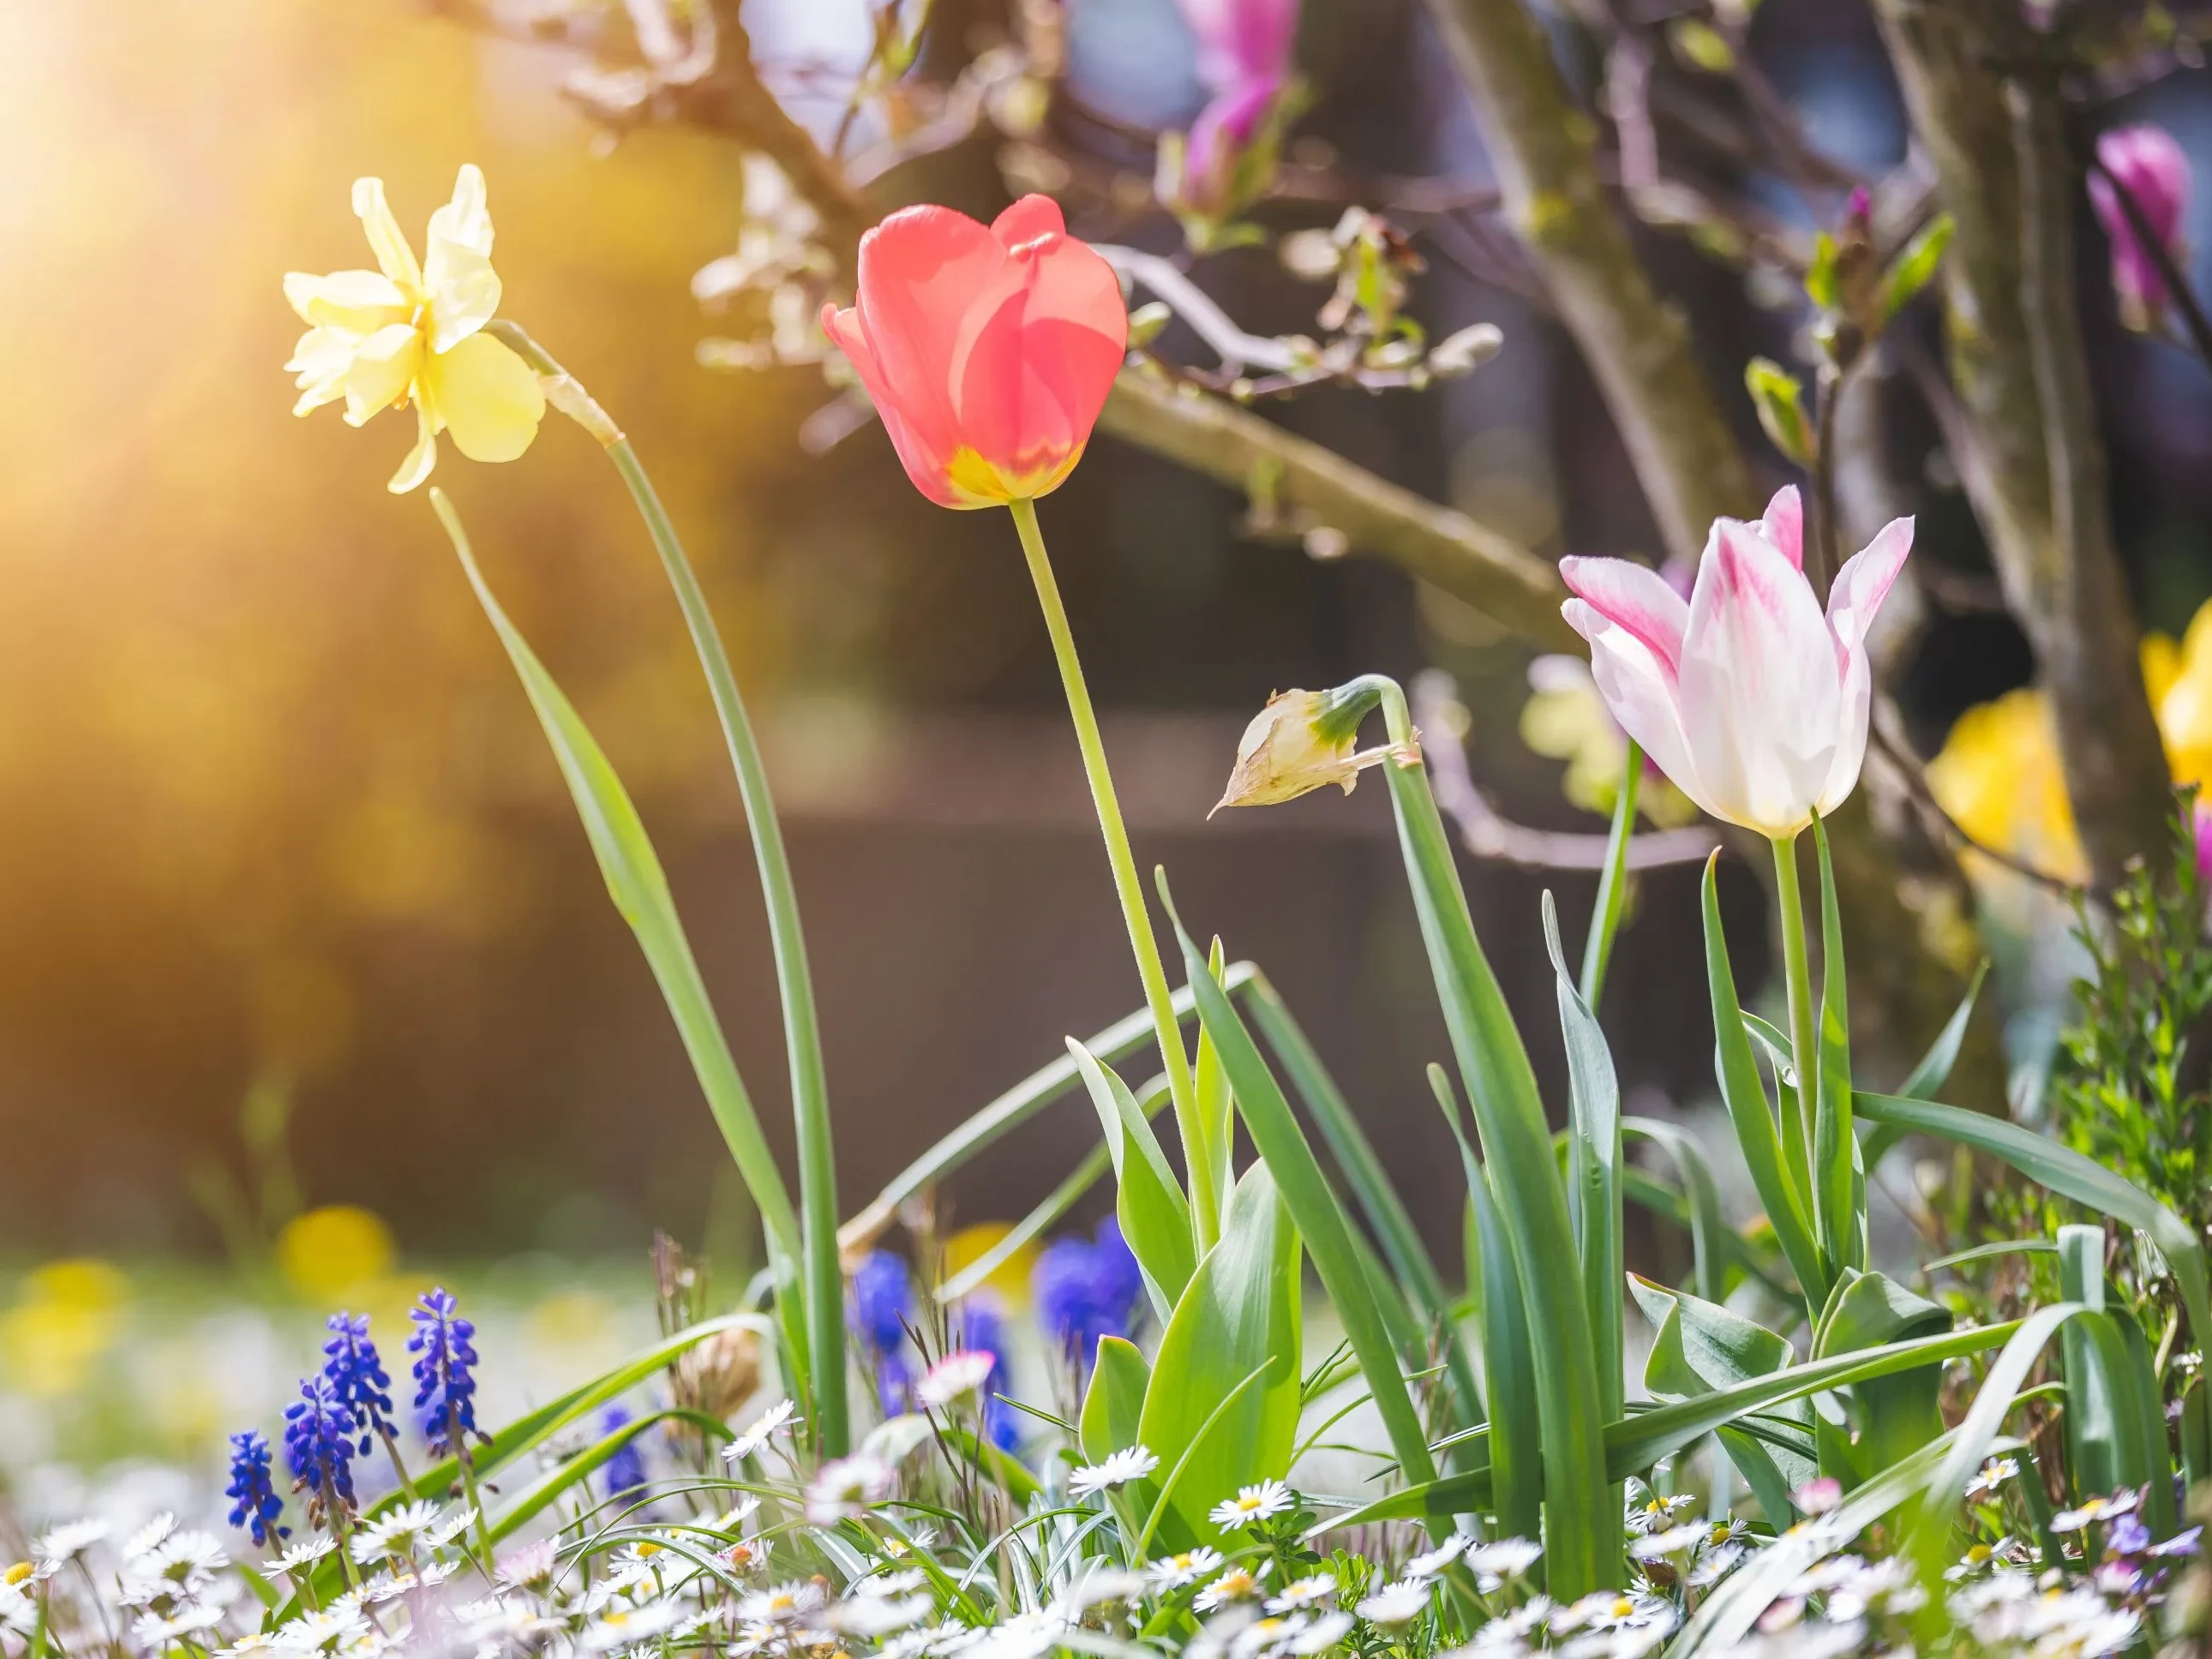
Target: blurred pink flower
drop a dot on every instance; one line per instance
(2202, 814)
(1244, 63)
(2153, 170)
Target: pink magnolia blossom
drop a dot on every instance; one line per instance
(1244, 63)
(1750, 700)
(2151, 168)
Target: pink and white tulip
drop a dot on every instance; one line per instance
(1750, 700)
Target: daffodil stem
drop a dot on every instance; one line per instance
(1797, 972)
(824, 1287)
(1197, 1149)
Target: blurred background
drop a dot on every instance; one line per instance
(297, 912)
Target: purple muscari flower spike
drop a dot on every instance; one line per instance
(2152, 168)
(319, 1434)
(980, 1328)
(1086, 1290)
(445, 1372)
(356, 1375)
(625, 1470)
(1121, 1283)
(883, 1301)
(255, 1504)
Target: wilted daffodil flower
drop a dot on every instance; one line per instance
(404, 332)
(1302, 740)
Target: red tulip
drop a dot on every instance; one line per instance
(988, 351)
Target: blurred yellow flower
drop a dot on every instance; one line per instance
(334, 1253)
(1998, 776)
(66, 1318)
(2179, 680)
(378, 338)
(1011, 1278)
(1565, 719)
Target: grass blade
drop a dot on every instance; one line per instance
(1613, 882)
(1594, 1163)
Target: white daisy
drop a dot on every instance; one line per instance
(746, 1555)
(879, 1615)
(1399, 1603)
(1432, 1562)
(1174, 1572)
(1309, 1591)
(69, 1541)
(531, 1565)
(1994, 1474)
(1654, 1546)
(762, 1429)
(1321, 1635)
(2093, 1510)
(956, 1376)
(844, 1487)
(734, 1518)
(784, 1604)
(1252, 1503)
(321, 1628)
(304, 1554)
(1239, 1583)
(149, 1537)
(1509, 1557)
(889, 1584)
(1119, 1468)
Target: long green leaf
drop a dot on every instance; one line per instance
(1612, 882)
(640, 890)
(1709, 1229)
(1582, 1529)
(531, 1501)
(1241, 1312)
(1314, 1208)
(1154, 1215)
(1935, 1067)
(1745, 1096)
(1835, 1150)
(1216, 1110)
(1594, 1166)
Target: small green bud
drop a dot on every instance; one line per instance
(1779, 397)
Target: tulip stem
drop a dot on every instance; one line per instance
(1797, 969)
(1197, 1151)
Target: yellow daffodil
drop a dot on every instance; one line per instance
(403, 332)
(2179, 680)
(1999, 776)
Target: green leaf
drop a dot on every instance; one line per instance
(1594, 1165)
(1709, 1234)
(1314, 1209)
(1835, 1149)
(534, 1499)
(1613, 880)
(1013, 1109)
(1509, 1367)
(1990, 1252)
(1898, 1414)
(1114, 1404)
(639, 891)
(1914, 265)
(1745, 1096)
(1637, 1442)
(1154, 1215)
(1241, 1313)
(1935, 1067)
(1779, 398)
(1582, 1525)
(2092, 1458)
(1821, 274)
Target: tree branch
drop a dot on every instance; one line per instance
(1543, 149)
(2037, 476)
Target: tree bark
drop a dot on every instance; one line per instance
(1990, 115)
(1542, 148)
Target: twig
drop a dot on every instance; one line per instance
(1825, 551)
(1237, 350)
(1915, 778)
(2178, 286)
(1488, 835)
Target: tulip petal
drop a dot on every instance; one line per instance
(920, 271)
(1028, 220)
(487, 397)
(927, 469)
(382, 371)
(393, 256)
(1785, 523)
(1639, 690)
(1760, 692)
(1634, 597)
(1860, 587)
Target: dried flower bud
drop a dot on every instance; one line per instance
(1466, 349)
(1300, 741)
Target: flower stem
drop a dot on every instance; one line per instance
(1797, 969)
(809, 1093)
(1613, 886)
(1205, 1202)
(824, 1293)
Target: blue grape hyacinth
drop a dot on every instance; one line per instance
(1086, 1290)
(318, 1435)
(978, 1326)
(445, 1372)
(357, 1376)
(252, 1490)
(625, 1470)
(882, 1308)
